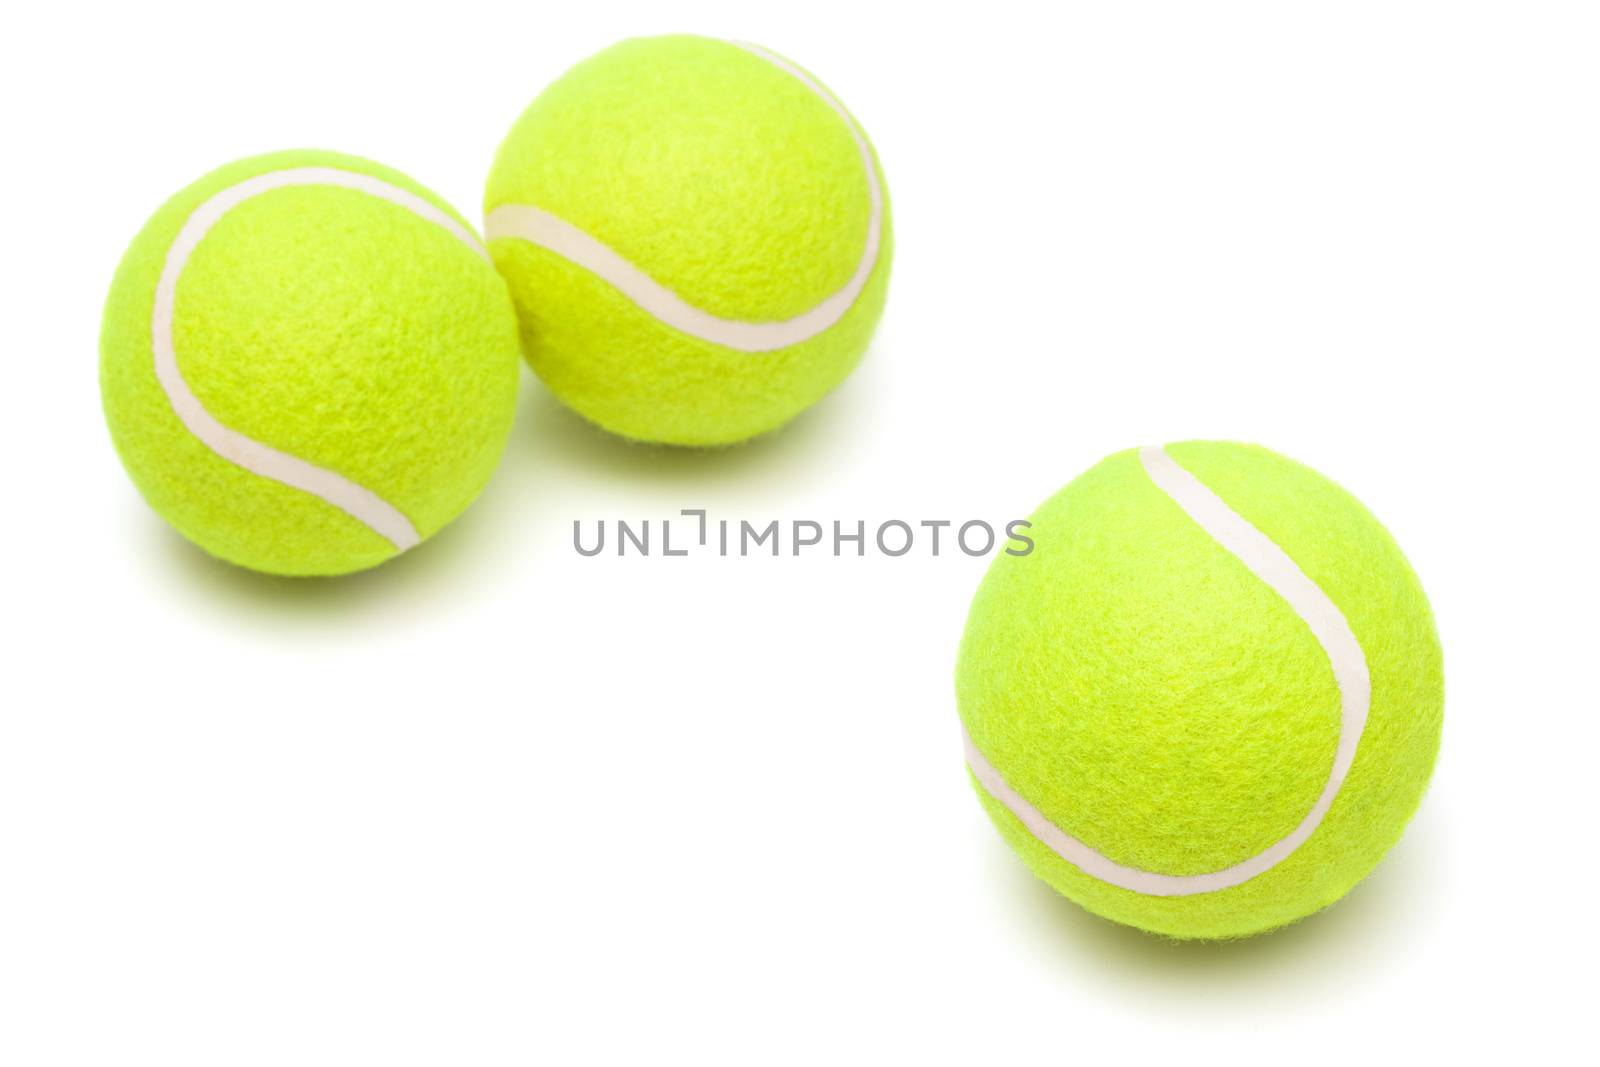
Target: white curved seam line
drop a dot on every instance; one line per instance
(359, 502)
(1328, 625)
(552, 233)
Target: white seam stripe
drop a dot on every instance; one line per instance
(539, 227)
(1327, 624)
(360, 503)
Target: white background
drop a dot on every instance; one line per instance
(495, 803)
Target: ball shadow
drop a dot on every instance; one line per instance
(238, 589)
(560, 436)
(464, 548)
(1358, 932)
(548, 443)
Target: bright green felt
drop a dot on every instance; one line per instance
(726, 180)
(1154, 699)
(329, 324)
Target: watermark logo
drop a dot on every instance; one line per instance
(695, 532)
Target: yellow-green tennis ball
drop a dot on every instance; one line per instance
(697, 238)
(1209, 700)
(308, 363)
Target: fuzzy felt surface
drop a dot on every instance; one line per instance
(331, 325)
(1147, 693)
(725, 179)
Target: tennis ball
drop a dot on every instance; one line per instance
(1210, 699)
(308, 363)
(697, 238)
